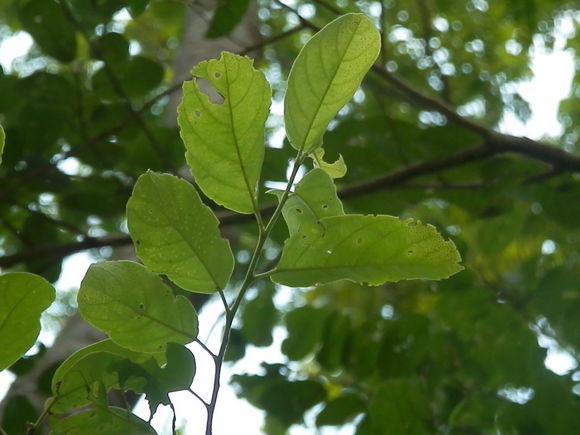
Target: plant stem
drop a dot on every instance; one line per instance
(249, 278)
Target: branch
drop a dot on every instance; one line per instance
(390, 180)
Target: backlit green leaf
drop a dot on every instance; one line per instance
(334, 170)
(23, 298)
(225, 142)
(134, 307)
(100, 420)
(365, 249)
(175, 234)
(315, 198)
(325, 75)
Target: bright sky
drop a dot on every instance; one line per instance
(553, 73)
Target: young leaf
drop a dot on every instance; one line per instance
(315, 198)
(99, 420)
(23, 298)
(334, 170)
(2, 137)
(225, 142)
(365, 249)
(134, 307)
(325, 75)
(175, 234)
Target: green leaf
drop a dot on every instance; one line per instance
(2, 138)
(305, 326)
(259, 318)
(334, 341)
(334, 170)
(100, 420)
(340, 410)
(365, 249)
(75, 378)
(225, 142)
(227, 16)
(175, 234)
(134, 307)
(23, 298)
(325, 75)
(48, 25)
(315, 198)
(400, 407)
(87, 375)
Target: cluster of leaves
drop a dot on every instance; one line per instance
(177, 236)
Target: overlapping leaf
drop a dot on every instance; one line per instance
(99, 420)
(225, 142)
(175, 234)
(325, 75)
(23, 298)
(135, 308)
(315, 197)
(365, 249)
(103, 366)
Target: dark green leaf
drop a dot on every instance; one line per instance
(259, 318)
(46, 21)
(305, 326)
(226, 17)
(341, 410)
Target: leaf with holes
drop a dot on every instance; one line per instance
(325, 76)
(175, 234)
(225, 142)
(365, 249)
(336, 169)
(315, 198)
(134, 307)
(23, 298)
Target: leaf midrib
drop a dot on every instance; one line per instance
(328, 86)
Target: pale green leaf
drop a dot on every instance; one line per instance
(225, 142)
(2, 138)
(23, 298)
(334, 170)
(365, 249)
(325, 75)
(100, 420)
(315, 198)
(175, 234)
(134, 307)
